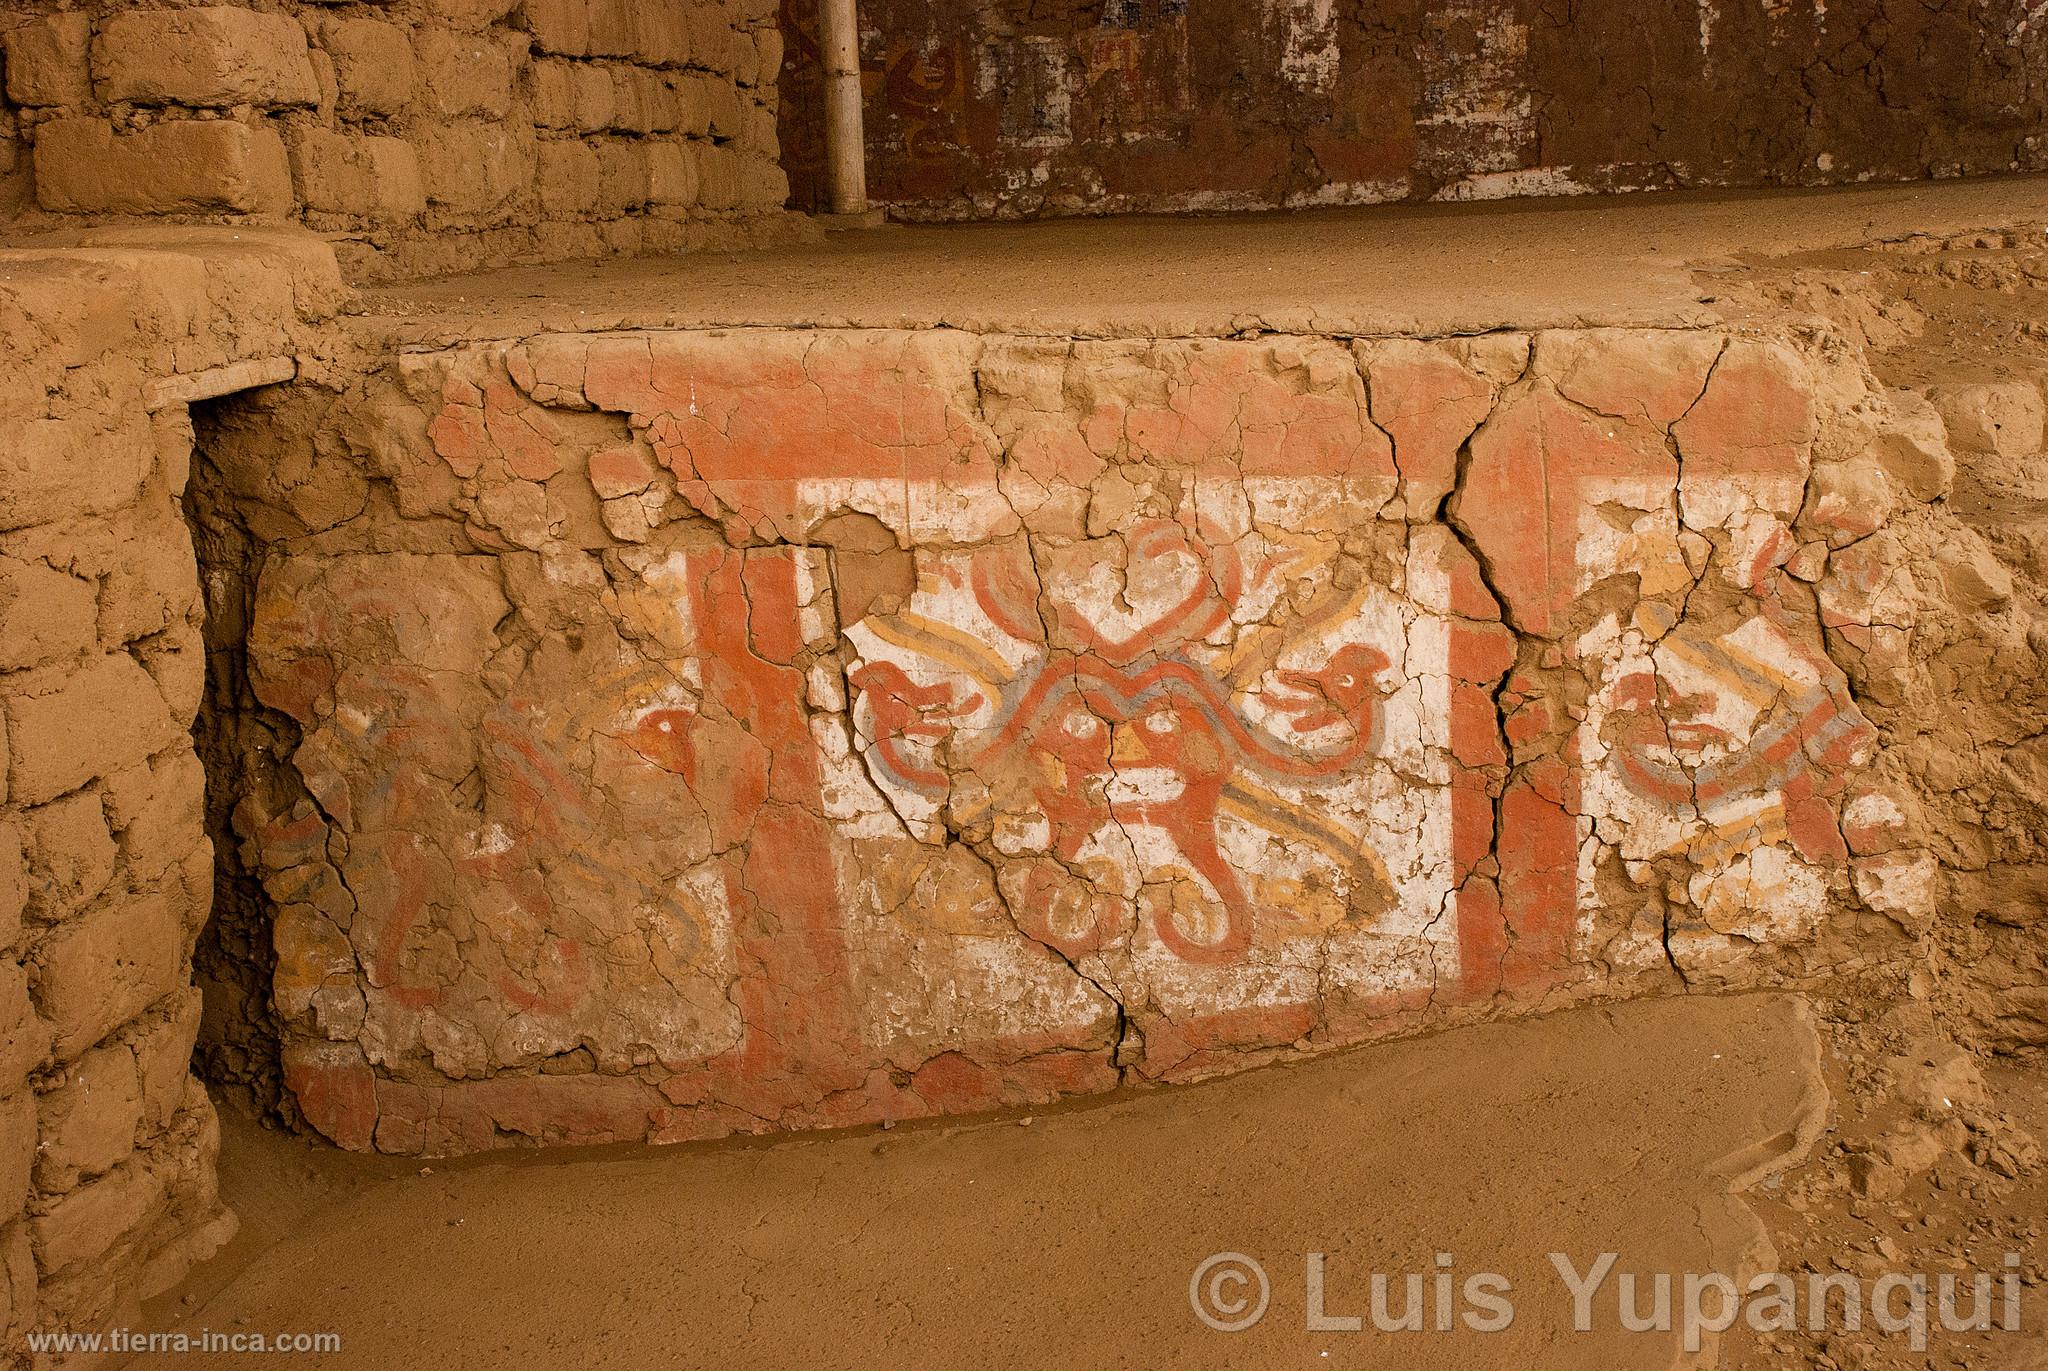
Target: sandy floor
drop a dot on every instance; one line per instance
(1387, 269)
(1068, 1238)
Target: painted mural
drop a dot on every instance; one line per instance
(794, 729)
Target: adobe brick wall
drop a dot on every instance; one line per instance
(423, 137)
(106, 871)
(1101, 106)
(728, 731)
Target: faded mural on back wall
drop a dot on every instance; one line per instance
(766, 729)
(1009, 108)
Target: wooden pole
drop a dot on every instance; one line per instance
(845, 142)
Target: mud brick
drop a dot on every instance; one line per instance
(169, 823)
(106, 966)
(71, 854)
(24, 1038)
(83, 166)
(213, 56)
(720, 173)
(569, 173)
(762, 182)
(17, 1148)
(559, 26)
(469, 13)
(550, 86)
(86, 1125)
(13, 881)
(93, 722)
(47, 64)
(471, 167)
(149, 581)
(93, 1218)
(44, 614)
(17, 1280)
(672, 174)
(163, 1059)
(463, 73)
(767, 55)
(623, 177)
(377, 178)
(374, 68)
(52, 469)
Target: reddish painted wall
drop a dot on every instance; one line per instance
(777, 728)
(1024, 107)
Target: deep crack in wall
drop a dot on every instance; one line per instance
(245, 748)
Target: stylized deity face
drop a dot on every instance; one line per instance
(1739, 719)
(1126, 747)
(1067, 764)
(1100, 755)
(1706, 718)
(1695, 710)
(1167, 753)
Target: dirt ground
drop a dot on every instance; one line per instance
(1696, 1135)
(1071, 1236)
(1975, 1192)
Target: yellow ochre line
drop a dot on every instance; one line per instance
(1269, 811)
(1766, 824)
(947, 647)
(1256, 640)
(1716, 663)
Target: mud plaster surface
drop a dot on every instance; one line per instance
(1426, 270)
(1066, 1238)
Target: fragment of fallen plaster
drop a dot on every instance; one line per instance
(2001, 419)
(626, 519)
(1869, 583)
(1974, 579)
(1873, 821)
(1911, 444)
(1904, 885)
(1809, 563)
(1849, 500)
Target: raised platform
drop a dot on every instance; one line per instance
(700, 718)
(1429, 270)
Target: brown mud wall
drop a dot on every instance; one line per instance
(1104, 106)
(1955, 330)
(422, 137)
(106, 871)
